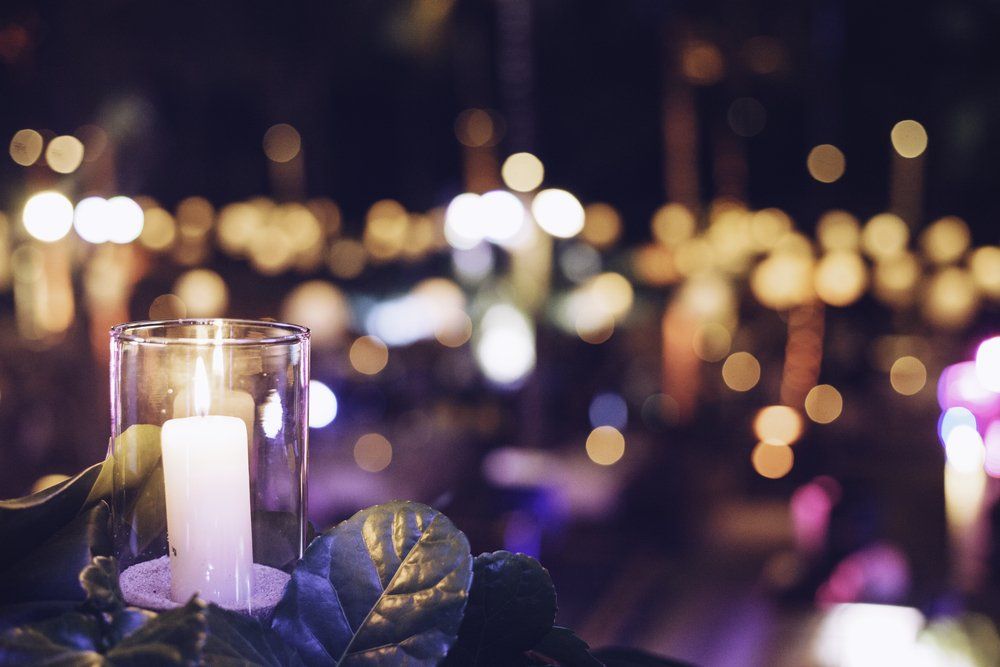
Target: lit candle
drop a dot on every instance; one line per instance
(206, 477)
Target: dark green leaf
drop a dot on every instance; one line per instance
(99, 581)
(628, 657)
(563, 647)
(236, 639)
(50, 572)
(70, 639)
(27, 522)
(512, 605)
(387, 586)
(174, 637)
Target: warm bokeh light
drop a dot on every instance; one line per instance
(673, 224)
(945, 240)
(602, 225)
(90, 219)
(605, 445)
(558, 212)
(826, 163)
(772, 460)
(386, 229)
(320, 306)
(908, 375)
(64, 154)
(522, 172)
(26, 147)
(824, 404)
(841, 278)
(204, 292)
(347, 258)
(768, 227)
(373, 452)
(124, 218)
(895, 278)
(783, 280)
(950, 299)
(369, 355)
(984, 264)
(909, 138)
(322, 405)
(838, 230)
(702, 62)
(501, 215)
(505, 349)
(48, 216)
(167, 307)
(282, 143)
(158, 229)
(965, 449)
(778, 423)
(885, 235)
(741, 371)
(462, 224)
(988, 364)
(454, 334)
(712, 342)
(475, 128)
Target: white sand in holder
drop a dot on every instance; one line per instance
(147, 585)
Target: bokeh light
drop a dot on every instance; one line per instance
(602, 225)
(712, 342)
(48, 216)
(984, 265)
(909, 138)
(702, 62)
(501, 215)
(965, 449)
(826, 163)
(64, 154)
(885, 235)
(373, 452)
(824, 404)
(476, 128)
(368, 355)
(605, 445)
(26, 147)
(945, 240)
(779, 423)
(159, 230)
(673, 224)
(505, 350)
(988, 364)
(347, 258)
(608, 409)
(895, 278)
(204, 292)
(558, 212)
(951, 419)
(322, 405)
(125, 219)
(90, 219)
(320, 306)
(950, 299)
(167, 307)
(282, 143)
(908, 375)
(522, 172)
(783, 280)
(772, 460)
(841, 278)
(741, 371)
(838, 230)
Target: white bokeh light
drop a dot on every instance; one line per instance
(988, 364)
(558, 212)
(48, 216)
(502, 215)
(322, 404)
(90, 219)
(125, 220)
(463, 224)
(506, 346)
(965, 449)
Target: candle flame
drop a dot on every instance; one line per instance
(202, 395)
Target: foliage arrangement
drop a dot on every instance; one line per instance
(395, 584)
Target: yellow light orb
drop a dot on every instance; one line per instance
(712, 342)
(950, 300)
(48, 216)
(373, 452)
(455, 333)
(841, 277)
(908, 375)
(783, 280)
(945, 240)
(824, 404)
(282, 143)
(167, 307)
(158, 230)
(772, 460)
(368, 355)
(654, 265)
(838, 230)
(475, 128)
(558, 212)
(602, 226)
(984, 264)
(779, 423)
(522, 172)
(673, 224)
(204, 292)
(826, 163)
(605, 445)
(694, 256)
(768, 226)
(321, 307)
(611, 293)
(26, 147)
(885, 235)
(909, 138)
(195, 216)
(895, 279)
(347, 258)
(64, 154)
(702, 62)
(741, 371)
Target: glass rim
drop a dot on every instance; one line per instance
(127, 332)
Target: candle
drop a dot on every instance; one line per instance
(206, 477)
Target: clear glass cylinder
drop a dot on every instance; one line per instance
(209, 426)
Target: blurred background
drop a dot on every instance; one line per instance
(696, 302)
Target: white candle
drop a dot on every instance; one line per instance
(206, 476)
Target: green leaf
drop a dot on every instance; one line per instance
(512, 605)
(70, 639)
(237, 639)
(50, 572)
(99, 581)
(174, 637)
(563, 647)
(27, 522)
(628, 657)
(387, 586)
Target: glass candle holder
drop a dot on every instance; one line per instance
(209, 425)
